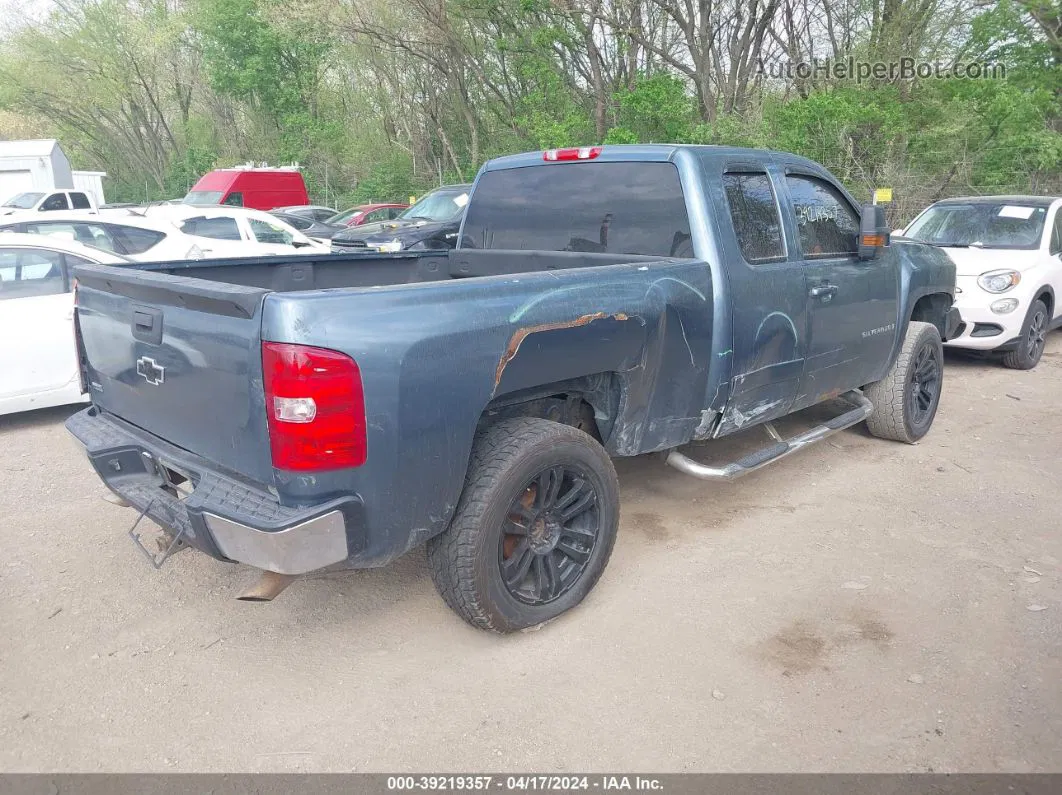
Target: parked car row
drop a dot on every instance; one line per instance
(431, 223)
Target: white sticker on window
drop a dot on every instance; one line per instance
(1013, 211)
(461, 200)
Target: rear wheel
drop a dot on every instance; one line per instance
(534, 528)
(1033, 336)
(906, 399)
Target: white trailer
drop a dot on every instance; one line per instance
(32, 166)
(91, 182)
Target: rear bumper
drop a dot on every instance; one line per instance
(226, 518)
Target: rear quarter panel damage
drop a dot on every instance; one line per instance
(434, 356)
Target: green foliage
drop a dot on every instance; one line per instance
(658, 109)
(380, 101)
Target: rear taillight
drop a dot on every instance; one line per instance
(575, 153)
(315, 406)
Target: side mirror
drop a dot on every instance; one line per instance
(873, 232)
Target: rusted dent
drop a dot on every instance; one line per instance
(517, 339)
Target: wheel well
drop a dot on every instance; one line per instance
(589, 404)
(932, 309)
(1048, 298)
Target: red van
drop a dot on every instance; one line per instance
(257, 188)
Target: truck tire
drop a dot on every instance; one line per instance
(906, 399)
(534, 528)
(1031, 345)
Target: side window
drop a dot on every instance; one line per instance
(300, 223)
(95, 235)
(827, 223)
(57, 201)
(27, 273)
(377, 215)
(265, 232)
(394, 212)
(86, 234)
(80, 201)
(134, 240)
(234, 200)
(214, 228)
(754, 211)
(60, 229)
(1056, 233)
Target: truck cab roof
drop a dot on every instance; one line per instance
(650, 153)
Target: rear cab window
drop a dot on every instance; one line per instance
(755, 216)
(599, 207)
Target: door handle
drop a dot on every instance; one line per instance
(823, 291)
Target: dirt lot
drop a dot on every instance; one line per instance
(864, 605)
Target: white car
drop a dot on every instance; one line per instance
(236, 231)
(115, 231)
(1008, 256)
(38, 358)
(161, 234)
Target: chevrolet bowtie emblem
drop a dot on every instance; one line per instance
(148, 369)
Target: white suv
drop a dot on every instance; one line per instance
(1008, 256)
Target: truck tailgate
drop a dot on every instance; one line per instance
(179, 358)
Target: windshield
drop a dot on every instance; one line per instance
(343, 217)
(987, 225)
(24, 201)
(437, 206)
(203, 197)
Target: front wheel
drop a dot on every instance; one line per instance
(1033, 336)
(906, 399)
(534, 528)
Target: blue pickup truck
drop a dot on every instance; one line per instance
(297, 413)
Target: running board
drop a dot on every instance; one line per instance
(862, 408)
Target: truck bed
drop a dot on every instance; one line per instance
(370, 269)
(172, 356)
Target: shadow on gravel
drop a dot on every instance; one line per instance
(39, 418)
(970, 360)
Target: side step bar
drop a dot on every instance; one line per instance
(862, 408)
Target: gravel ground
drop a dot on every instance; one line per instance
(862, 606)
